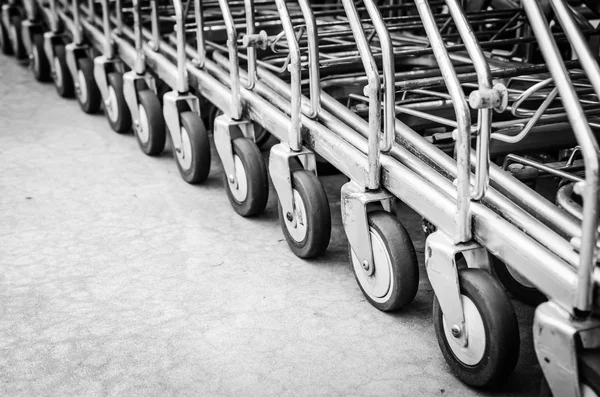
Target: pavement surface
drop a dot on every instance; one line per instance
(118, 278)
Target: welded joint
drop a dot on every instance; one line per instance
(256, 40)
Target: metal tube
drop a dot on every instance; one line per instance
(77, 32)
(182, 75)
(582, 131)
(200, 44)
(294, 133)
(485, 83)
(234, 73)
(312, 36)
(372, 91)
(108, 44)
(463, 118)
(140, 64)
(389, 91)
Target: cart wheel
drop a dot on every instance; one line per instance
(394, 281)
(5, 45)
(589, 369)
(517, 285)
(250, 195)
(151, 134)
(39, 61)
(493, 331)
(62, 76)
(117, 111)
(311, 235)
(16, 37)
(193, 159)
(88, 94)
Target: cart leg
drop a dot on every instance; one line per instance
(556, 339)
(245, 172)
(303, 207)
(383, 257)
(191, 146)
(475, 323)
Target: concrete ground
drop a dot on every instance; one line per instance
(118, 278)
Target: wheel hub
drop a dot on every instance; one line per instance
(239, 185)
(143, 125)
(111, 105)
(473, 352)
(184, 154)
(81, 87)
(57, 73)
(298, 233)
(375, 278)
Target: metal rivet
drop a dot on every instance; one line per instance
(289, 216)
(365, 265)
(456, 331)
(231, 178)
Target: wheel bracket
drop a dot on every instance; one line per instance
(354, 202)
(556, 337)
(442, 269)
(172, 102)
(72, 53)
(281, 175)
(225, 130)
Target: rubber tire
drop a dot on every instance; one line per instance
(318, 216)
(200, 166)
(123, 122)
(66, 88)
(16, 38)
(501, 329)
(589, 371)
(42, 72)
(405, 265)
(94, 98)
(528, 295)
(256, 178)
(157, 133)
(5, 44)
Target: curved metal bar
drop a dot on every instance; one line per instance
(463, 118)
(484, 78)
(182, 74)
(294, 133)
(234, 74)
(108, 42)
(200, 43)
(389, 70)
(312, 36)
(77, 31)
(372, 91)
(140, 63)
(581, 129)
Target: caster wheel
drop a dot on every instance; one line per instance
(88, 94)
(193, 159)
(39, 61)
(151, 132)
(5, 45)
(492, 332)
(310, 237)
(250, 195)
(517, 285)
(16, 38)
(117, 111)
(62, 76)
(589, 372)
(394, 280)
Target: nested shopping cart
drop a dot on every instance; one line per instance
(429, 56)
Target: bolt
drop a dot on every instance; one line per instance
(456, 331)
(289, 216)
(231, 178)
(366, 265)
